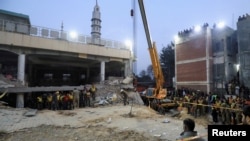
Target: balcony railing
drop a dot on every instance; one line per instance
(11, 26)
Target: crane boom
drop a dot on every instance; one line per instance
(145, 23)
(159, 92)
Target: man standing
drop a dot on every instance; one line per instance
(246, 115)
(86, 96)
(76, 95)
(54, 104)
(125, 96)
(92, 91)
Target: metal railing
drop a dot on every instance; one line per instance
(17, 27)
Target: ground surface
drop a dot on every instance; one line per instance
(103, 123)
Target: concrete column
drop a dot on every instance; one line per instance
(126, 68)
(21, 68)
(130, 72)
(102, 70)
(20, 77)
(20, 100)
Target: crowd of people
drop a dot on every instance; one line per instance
(66, 100)
(189, 132)
(224, 109)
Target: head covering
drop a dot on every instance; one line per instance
(122, 90)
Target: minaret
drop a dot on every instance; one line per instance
(96, 23)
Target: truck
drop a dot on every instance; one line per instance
(157, 96)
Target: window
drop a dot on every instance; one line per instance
(66, 77)
(48, 76)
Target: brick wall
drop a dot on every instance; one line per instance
(192, 49)
(195, 71)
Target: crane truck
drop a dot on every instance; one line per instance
(156, 96)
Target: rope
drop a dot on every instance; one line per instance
(205, 105)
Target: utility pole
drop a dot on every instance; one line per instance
(133, 14)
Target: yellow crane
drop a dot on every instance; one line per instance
(159, 92)
(156, 96)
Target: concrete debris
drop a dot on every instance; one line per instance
(115, 82)
(6, 83)
(157, 135)
(109, 120)
(127, 80)
(3, 103)
(30, 113)
(103, 102)
(135, 97)
(127, 86)
(173, 113)
(165, 121)
(110, 91)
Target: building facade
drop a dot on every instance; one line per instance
(193, 59)
(243, 38)
(215, 59)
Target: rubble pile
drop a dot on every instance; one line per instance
(6, 82)
(111, 88)
(107, 92)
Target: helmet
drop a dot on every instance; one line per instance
(122, 90)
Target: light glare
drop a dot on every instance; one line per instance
(221, 24)
(128, 44)
(73, 34)
(197, 28)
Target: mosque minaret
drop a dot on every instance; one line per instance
(96, 23)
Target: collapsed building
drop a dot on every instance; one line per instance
(35, 59)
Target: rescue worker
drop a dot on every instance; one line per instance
(49, 101)
(246, 115)
(84, 93)
(61, 97)
(214, 114)
(87, 99)
(86, 96)
(76, 95)
(66, 101)
(81, 103)
(125, 96)
(71, 99)
(44, 99)
(92, 91)
(39, 102)
(54, 104)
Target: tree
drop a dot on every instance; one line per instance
(167, 59)
(150, 71)
(144, 77)
(142, 73)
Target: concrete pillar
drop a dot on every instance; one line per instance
(20, 100)
(20, 77)
(102, 70)
(21, 68)
(126, 68)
